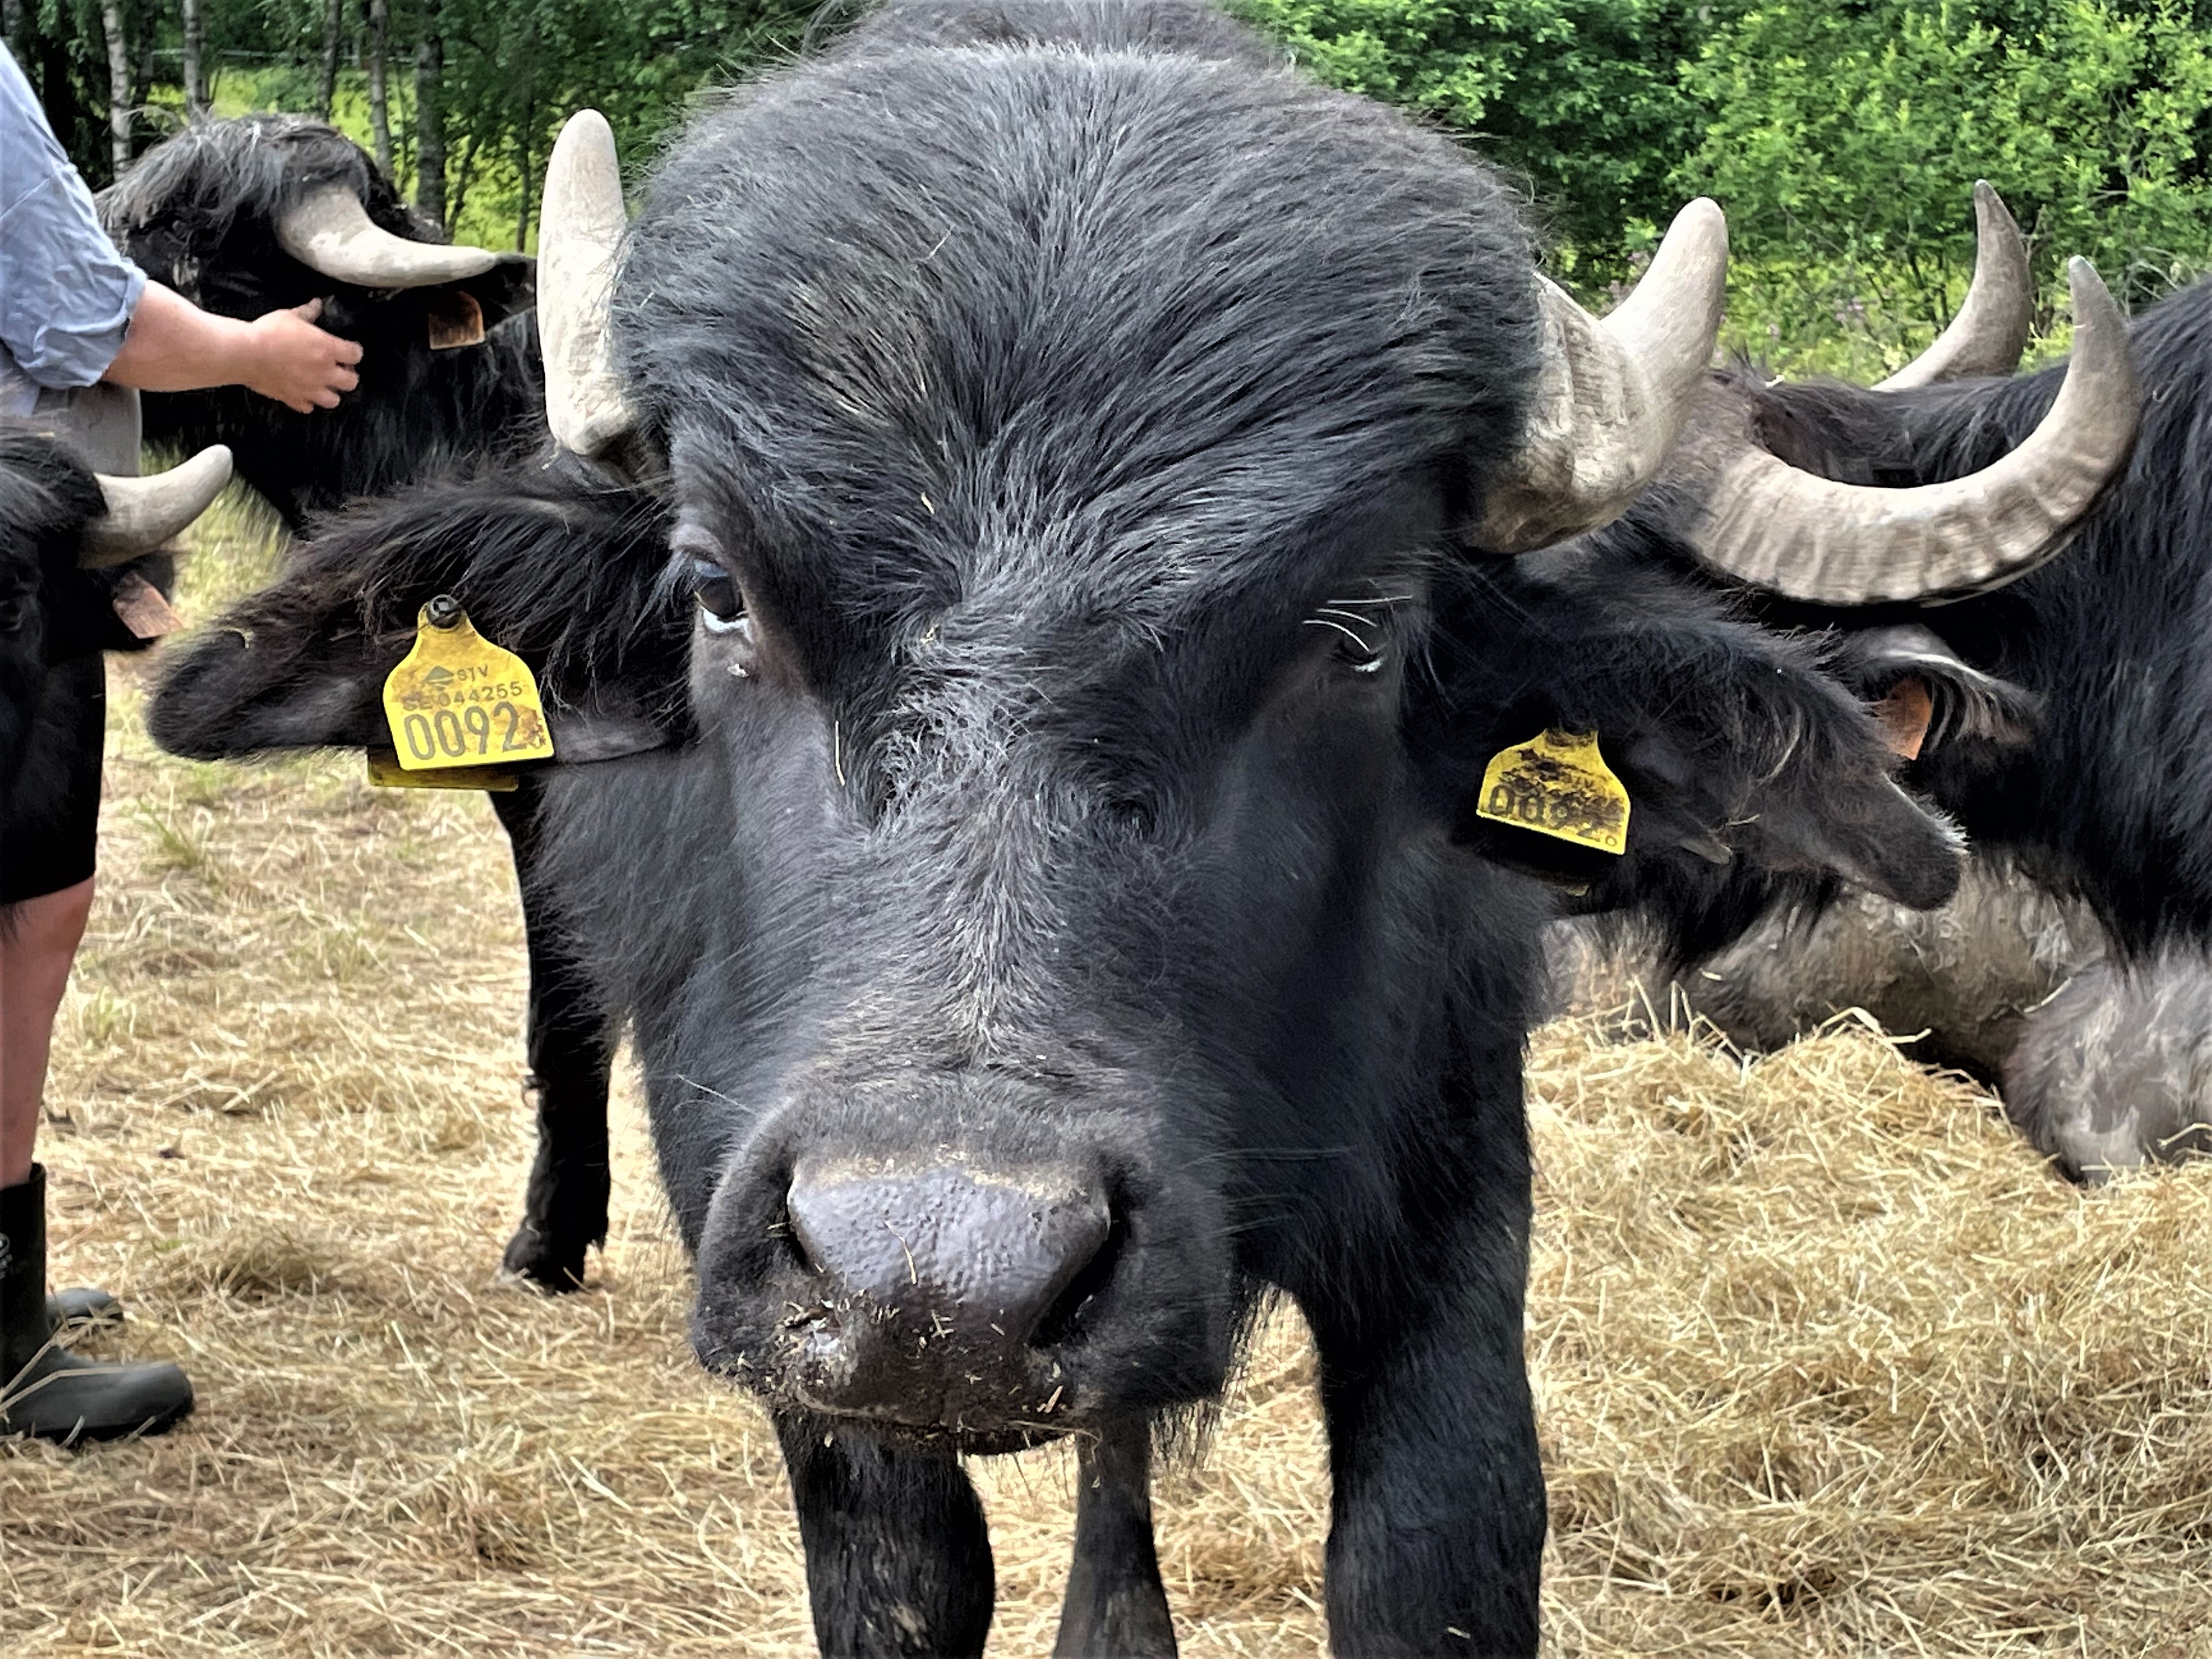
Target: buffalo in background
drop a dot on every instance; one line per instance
(247, 215)
(1127, 495)
(2060, 719)
(73, 543)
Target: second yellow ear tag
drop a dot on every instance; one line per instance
(1558, 784)
(458, 700)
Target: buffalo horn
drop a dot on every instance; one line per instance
(1611, 396)
(330, 231)
(144, 512)
(579, 242)
(1765, 523)
(1991, 329)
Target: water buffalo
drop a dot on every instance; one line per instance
(2069, 971)
(1127, 498)
(76, 548)
(251, 213)
(246, 214)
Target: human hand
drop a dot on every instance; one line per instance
(300, 366)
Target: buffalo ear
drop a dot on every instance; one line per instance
(1928, 697)
(460, 314)
(567, 576)
(1741, 756)
(508, 289)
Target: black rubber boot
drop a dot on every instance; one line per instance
(47, 1391)
(82, 1306)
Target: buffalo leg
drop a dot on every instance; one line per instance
(898, 1562)
(1116, 1603)
(1436, 1523)
(565, 1210)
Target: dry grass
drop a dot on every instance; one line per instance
(1827, 1363)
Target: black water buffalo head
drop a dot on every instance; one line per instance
(72, 543)
(247, 215)
(1113, 500)
(1096, 490)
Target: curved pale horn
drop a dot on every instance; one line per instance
(1991, 327)
(1612, 396)
(330, 231)
(1767, 524)
(144, 512)
(579, 243)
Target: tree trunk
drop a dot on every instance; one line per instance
(119, 84)
(430, 116)
(463, 174)
(380, 109)
(522, 217)
(195, 20)
(326, 91)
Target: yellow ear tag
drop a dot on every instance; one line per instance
(458, 700)
(1558, 784)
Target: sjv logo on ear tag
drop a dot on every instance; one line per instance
(458, 700)
(1558, 784)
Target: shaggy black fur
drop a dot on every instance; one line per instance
(1071, 419)
(199, 213)
(556, 567)
(50, 611)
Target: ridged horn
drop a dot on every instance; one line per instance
(144, 512)
(1991, 327)
(330, 231)
(580, 237)
(1612, 396)
(1767, 524)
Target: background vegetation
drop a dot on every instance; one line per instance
(1841, 135)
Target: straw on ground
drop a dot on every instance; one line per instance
(1827, 1363)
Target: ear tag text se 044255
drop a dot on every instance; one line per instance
(458, 700)
(1558, 784)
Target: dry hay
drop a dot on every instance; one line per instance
(1827, 1363)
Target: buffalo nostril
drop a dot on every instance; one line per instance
(1063, 1320)
(980, 1257)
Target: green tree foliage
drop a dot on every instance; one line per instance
(512, 70)
(1841, 138)
(1582, 99)
(1840, 135)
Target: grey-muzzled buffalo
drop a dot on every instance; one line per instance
(246, 214)
(1083, 510)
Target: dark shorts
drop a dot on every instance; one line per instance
(49, 825)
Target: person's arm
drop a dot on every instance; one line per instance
(172, 345)
(73, 310)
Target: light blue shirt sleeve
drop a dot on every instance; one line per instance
(66, 295)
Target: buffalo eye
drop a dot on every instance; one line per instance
(1359, 634)
(721, 608)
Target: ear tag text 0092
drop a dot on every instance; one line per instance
(1556, 784)
(458, 700)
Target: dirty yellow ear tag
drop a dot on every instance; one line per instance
(1558, 784)
(458, 700)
